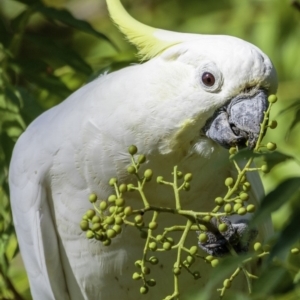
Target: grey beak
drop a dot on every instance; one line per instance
(238, 121)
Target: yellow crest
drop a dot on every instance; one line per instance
(149, 41)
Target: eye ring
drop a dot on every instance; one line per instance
(208, 79)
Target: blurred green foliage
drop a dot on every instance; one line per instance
(47, 51)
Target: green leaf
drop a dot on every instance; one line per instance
(275, 199)
(66, 17)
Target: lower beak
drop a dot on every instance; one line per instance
(238, 121)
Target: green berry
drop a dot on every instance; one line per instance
(138, 219)
(242, 211)
(118, 220)
(179, 174)
(229, 181)
(132, 150)
(130, 187)
(96, 226)
(203, 237)
(117, 229)
(123, 188)
(271, 146)
(109, 220)
(111, 233)
(128, 211)
(176, 271)
(90, 213)
(153, 246)
(93, 198)
(237, 206)
(187, 186)
(272, 98)
(84, 225)
(250, 208)
(257, 247)
(273, 124)
(219, 201)
(232, 150)
(295, 251)
(148, 174)
(131, 170)
(153, 225)
(113, 181)
(136, 276)
(159, 237)
(227, 283)
(107, 242)
(120, 202)
(151, 282)
(159, 179)
(170, 240)
(96, 219)
(112, 209)
(167, 245)
(141, 158)
(89, 234)
(209, 258)
(203, 227)
(264, 168)
(103, 205)
(188, 177)
(214, 262)
(246, 186)
(244, 196)
(190, 259)
(193, 250)
(228, 208)
(207, 218)
(112, 198)
(138, 263)
(222, 227)
(153, 260)
(144, 290)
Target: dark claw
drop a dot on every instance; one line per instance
(238, 236)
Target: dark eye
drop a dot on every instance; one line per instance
(208, 79)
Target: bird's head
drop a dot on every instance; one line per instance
(220, 83)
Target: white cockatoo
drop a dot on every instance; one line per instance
(193, 96)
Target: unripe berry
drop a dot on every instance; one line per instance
(209, 258)
(96, 219)
(272, 98)
(188, 177)
(227, 283)
(271, 146)
(153, 225)
(112, 198)
(193, 250)
(295, 251)
(136, 276)
(151, 282)
(107, 242)
(228, 208)
(118, 220)
(246, 186)
(146, 270)
(153, 260)
(229, 181)
(264, 168)
(89, 234)
(112, 209)
(93, 198)
(141, 158)
(207, 218)
(219, 201)
(117, 229)
(84, 225)
(109, 220)
(138, 219)
(120, 202)
(159, 179)
(159, 237)
(90, 213)
(130, 187)
(111, 233)
(237, 206)
(148, 174)
(103, 205)
(138, 263)
(144, 290)
(257, 247)
(153, 246)
(250, 208)
(132, 150)
(167, 245)
(190, 259)
(176, 271)
(128, 211)
(244, 196)
(232, 150)
(112, 181)
(187, 186)
(123, 188)
(222, 227)
(179, 174)
(96, 226)
(214, 262)
(242, 211)
(131, 170)
(273, 124)
(203, 237)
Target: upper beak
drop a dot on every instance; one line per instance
(238, 121)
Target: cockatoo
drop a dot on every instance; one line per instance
(193, 96)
